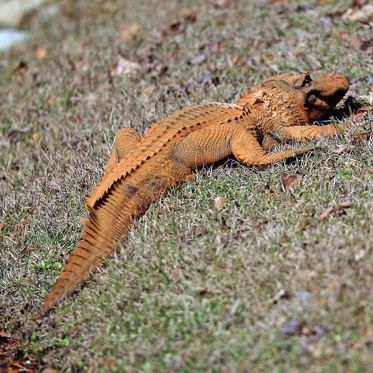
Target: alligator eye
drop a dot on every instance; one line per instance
(298, 83)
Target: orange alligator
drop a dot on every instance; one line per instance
(142, 168)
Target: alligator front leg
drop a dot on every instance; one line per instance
(300, 133)
(309, 132)
(216, 143)
(125, 141)
(246, 149)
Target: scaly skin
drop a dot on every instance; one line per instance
(291, 101)
(140, 170)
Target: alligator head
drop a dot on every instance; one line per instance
(314, 97)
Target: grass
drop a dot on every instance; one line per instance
(261, 285)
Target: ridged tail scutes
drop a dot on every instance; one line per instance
(94, 246)
(85, 259)
(107, 224)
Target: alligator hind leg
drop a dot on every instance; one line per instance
(125, 141)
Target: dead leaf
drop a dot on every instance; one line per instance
(4, 335)
(91, 98)
(338, 207)
(326, 213)
(343, 205)
(40, 53)
(369, 99)
(219, 203)
(367, 338)
(292, 182)
(2, 226)
(52, 99)
(21, 68)
(49, 370)
(202, 292)
(358, 116)
(360, 255)
(366, 44)
(342, 35)
(27, 249)
(128, 33)
(188, 14)
(36, 137)
(176, 27)
(362, 136)
(292, 327)
(148, 90)
(355, 42)
(125, 67)
(198, 59)
(76, 82)
(15, 134)
(218, 46)
(222, 3)
(281, 295)
(363, 14)
(54, 184)
(342, 148)
(313, 337)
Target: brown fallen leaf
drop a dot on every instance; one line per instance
(290, 183)
(198, 59)
(218, 46)
(52, 99)
(128, 33)
(359, 116)
(366, 44)
(363, 14)
(40, 53)
(27, 249)
(176, 27)
(219, 203)
(281, 295)
(36, 137)
(4, 335)
(21, 68)
(311, 342)
(369, 102)
(125, 67)
(49, 370)
(342, 148)
(355, 42)
(338, 207)
(362, 136)
(54, 184)
(188, 14)
(292, 327)
(366, 339)
(222, 3)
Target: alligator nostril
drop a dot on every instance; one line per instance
(311, 99)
